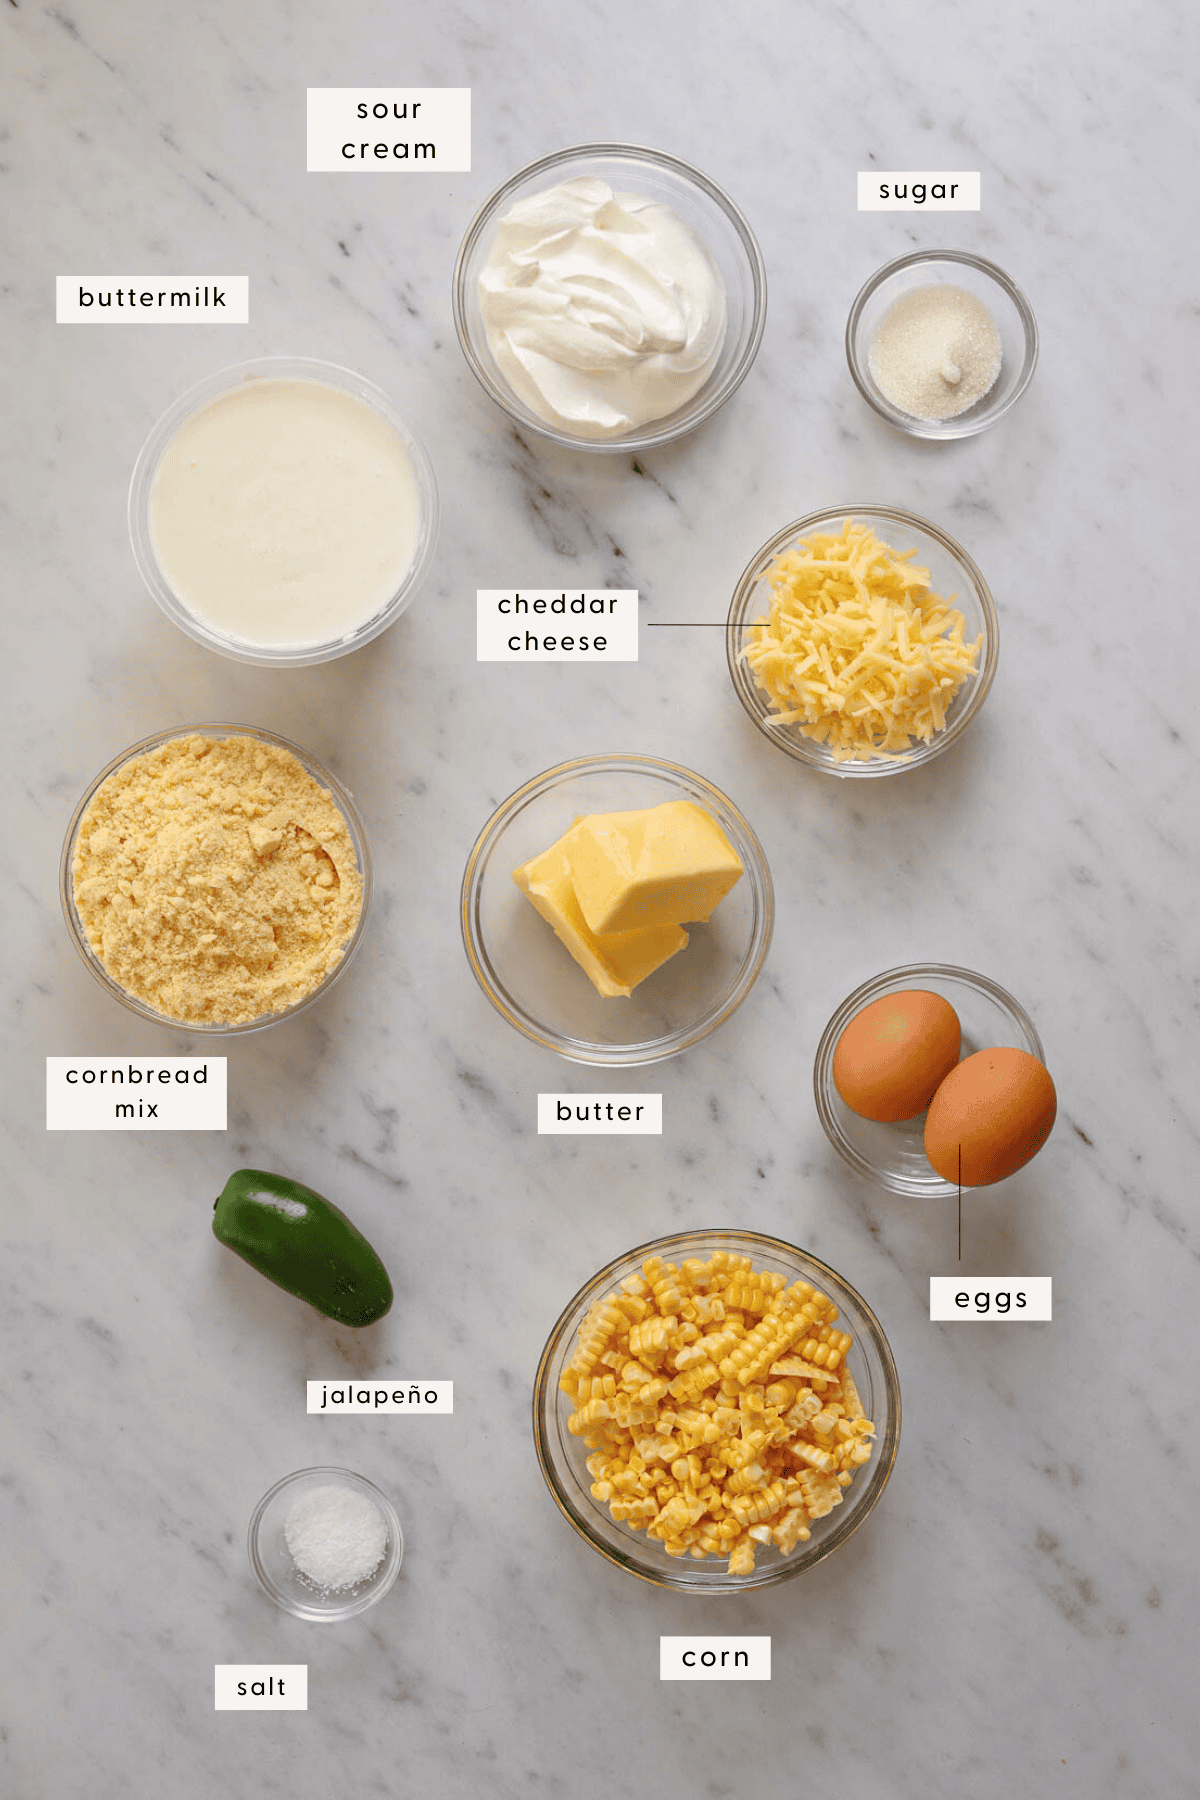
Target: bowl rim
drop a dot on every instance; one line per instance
(804, 751)
(887, 1443)
(203, 393)
(893, 981)
(346, 805)
(971, 422)
(390, 1569)
(654, 433)
(583, 1050)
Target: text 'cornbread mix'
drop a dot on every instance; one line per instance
(216, 879)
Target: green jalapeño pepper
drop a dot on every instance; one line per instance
(303, 1243)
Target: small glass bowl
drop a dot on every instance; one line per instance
(951, 572)
(1004, 301)
(531, 979)
(563, 1458)
(700, 203)
(278, 1576)
(277, 368)
(66, 886)
(894, 1155)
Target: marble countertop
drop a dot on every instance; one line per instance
(1017, 1616)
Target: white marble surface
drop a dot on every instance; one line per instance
(1018, 1614)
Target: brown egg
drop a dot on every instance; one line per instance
(999, 1105)
(894, 1053)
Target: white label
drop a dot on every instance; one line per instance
(989, 1297)
(556, 625)
(714, 1659)
(152, 299)
(918, 190)
(599, 1115)
(261, 1687)
(342, 1396)
(399, 130)
(143, 1093)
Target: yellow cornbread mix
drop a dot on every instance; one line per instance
(662, 865)
(857, 652)
(717, 1406)
(216, 879)
(613, 964)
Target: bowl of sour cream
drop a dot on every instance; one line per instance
(282, 512)
(610, 297)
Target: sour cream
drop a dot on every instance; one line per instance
(603, 311)
(285, 513)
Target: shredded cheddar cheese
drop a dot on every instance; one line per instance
(718, 1408)
(858, 653)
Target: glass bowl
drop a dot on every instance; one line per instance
(225, 381)
(528, 975)
(345, 805)
(563, 1457)
(894, 1155)
(1004, 301)
(951, 573)
(278, 1576)
(701, 204)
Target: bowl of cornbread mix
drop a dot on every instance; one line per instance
(617, 909)
(862, 641)
(216, 877)
(716, 1411)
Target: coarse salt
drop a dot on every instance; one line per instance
(336, 1536)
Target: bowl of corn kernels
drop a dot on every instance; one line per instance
(716, 1411)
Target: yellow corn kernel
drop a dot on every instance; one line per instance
(752, 1509)
(692, 1383)
(752, 1296)
(741, 1558)
(850, 1397)
(819, 1493)
(790, 1530)
(748, 1479)
(667, 1294)
(813, 1455)
(649, 1340)
(601, 1325)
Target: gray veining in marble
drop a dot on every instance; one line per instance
(1018, 1615)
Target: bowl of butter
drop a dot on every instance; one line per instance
(617, 909)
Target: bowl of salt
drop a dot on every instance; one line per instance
(325, 1544)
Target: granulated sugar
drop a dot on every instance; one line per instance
(936, 352)
(336, 1536)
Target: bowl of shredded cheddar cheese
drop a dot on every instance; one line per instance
(862, 641)
(716, 1411)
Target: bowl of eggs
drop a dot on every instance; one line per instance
(930, 1076)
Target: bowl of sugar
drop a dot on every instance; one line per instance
(941, 343)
